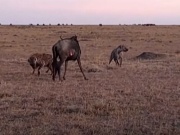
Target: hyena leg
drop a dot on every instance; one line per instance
(33, 70)
(49, 67)
(116, 61)
(39, 70)
(120, 59)
(47, 70)
(51, 70)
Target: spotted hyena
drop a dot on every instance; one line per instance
(116, 54)
(39, 60)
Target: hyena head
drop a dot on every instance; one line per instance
(123, 48)
(32, 61)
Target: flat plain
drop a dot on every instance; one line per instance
(141, 97)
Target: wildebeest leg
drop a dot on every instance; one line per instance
(79, 63)
(59, 68)
(59, 73)
(66, 64)
(54, 70)
(54, 66)
(54, 73)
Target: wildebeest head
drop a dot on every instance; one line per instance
(74, 37)
(123, 48)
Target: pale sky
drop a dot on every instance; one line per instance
(90, 11)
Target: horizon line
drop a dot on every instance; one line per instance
(71, 24)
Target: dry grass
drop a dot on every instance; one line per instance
(141, 97)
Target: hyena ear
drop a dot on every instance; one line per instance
(120, 46)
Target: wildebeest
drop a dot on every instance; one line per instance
(66, 49)
(116, 54)
(39, 60)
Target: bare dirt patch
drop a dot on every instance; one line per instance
(150, 56)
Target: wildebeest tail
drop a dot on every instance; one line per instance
(54, 54)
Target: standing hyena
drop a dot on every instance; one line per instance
(39, 60)
(116, 54)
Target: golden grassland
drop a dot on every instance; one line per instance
(141, 97)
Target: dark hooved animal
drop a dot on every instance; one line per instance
(39, 60)
(66, 49)
(116, 54)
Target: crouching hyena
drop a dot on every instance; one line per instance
(116, 54)
(39, 60)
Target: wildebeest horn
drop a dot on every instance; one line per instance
(61, 38)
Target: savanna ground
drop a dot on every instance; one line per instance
(141, 97)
